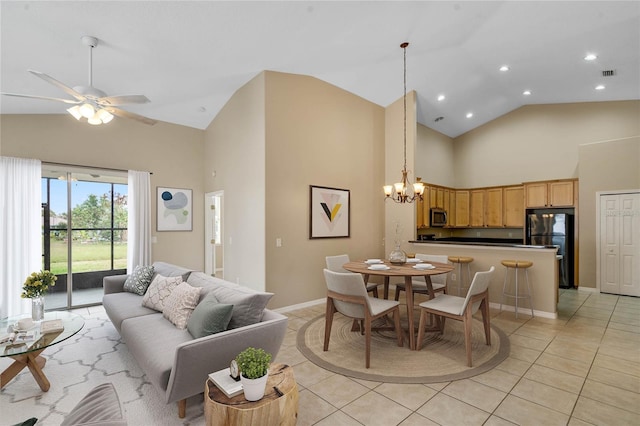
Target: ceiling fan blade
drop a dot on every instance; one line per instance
(123, 99)
(66, 101)
(126, 114)
(58, 84)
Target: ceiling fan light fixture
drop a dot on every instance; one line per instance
(75, 111)
(94, 121)
(87, 110)
(104, 115)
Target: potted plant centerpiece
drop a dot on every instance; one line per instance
(254, 371)
(34, 288)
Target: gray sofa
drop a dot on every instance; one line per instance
(173, 361)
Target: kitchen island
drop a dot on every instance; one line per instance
(543, 275)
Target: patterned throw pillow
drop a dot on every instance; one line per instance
(139, 280)
(158, 291)
(180, 304)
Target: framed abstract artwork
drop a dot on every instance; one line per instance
(329, 212)
(175, 209)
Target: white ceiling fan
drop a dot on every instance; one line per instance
(91, 103)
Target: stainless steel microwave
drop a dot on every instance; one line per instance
(438, 218)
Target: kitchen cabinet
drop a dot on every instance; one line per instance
(451, 208)
(423, 210)
(462, 208)
(436, 197)
(493, 207)
(557, 193)
(476, 206)
(513, 206)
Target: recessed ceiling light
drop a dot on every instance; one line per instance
(590, 57)
(504, 68)
(600, 87)
(441, 98)
(469, 114)
(526, 92)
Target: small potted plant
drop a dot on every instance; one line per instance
(254, 371)
(34, 288)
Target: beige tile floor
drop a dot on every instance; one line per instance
(582, 368)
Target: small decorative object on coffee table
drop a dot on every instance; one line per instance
(254, 368)
(34, 288)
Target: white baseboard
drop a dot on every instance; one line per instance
(300, 306)
(589, 289)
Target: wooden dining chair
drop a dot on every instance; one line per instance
(334, 263)
(419, 285)
(346, 294)
(461, 309)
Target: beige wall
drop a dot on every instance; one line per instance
(604, 166)
(539, 142)
(435, 161)
(235, 151)
(173, 153)
(318, 134)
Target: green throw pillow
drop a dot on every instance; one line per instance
(209, 317)
(139, 280)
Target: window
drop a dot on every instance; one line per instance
(84, 231)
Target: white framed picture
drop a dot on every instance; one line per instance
(175, 209)
(329, 212)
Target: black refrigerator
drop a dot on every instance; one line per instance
(550, 227)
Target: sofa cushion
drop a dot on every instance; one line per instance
(152, 340)
(248, 304)
(209, 317)
(120, 306)
(170, 270)
(159, 290)
(139, 280)
(180, 304)
(100, 407)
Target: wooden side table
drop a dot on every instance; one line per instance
(279, 406)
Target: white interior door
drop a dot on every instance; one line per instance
(620, 243)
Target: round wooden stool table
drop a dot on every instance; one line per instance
(517, 265)
(459, 261)
(279, 406)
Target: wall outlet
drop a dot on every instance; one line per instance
(510, 234)
(478, 234)
(278, 242)
(453, 277)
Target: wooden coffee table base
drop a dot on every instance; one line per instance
(31, 360)
(273, 409)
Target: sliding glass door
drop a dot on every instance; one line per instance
(84, 232)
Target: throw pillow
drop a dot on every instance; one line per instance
(248, 304)
(158, 291)
(209, 317)
(180, 304)
(139, 280)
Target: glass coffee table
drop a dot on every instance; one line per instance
(27, 354)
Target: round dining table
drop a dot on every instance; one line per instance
(407, 271)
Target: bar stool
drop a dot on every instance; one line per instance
(459, 261)
(517, 265)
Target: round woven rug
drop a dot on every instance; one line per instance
(441, 359)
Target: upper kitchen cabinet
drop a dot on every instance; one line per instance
(422, 209)
(493, 207)
(437, 197)
(513, 206)
(462, 208)
(555, 193)
(476, 204)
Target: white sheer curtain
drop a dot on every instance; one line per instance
(20, 230)
(139, 234)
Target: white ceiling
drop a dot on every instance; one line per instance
(189, 58)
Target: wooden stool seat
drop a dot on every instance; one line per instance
(459, 261)
(516, 265)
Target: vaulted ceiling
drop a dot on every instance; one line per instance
(189, 58)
